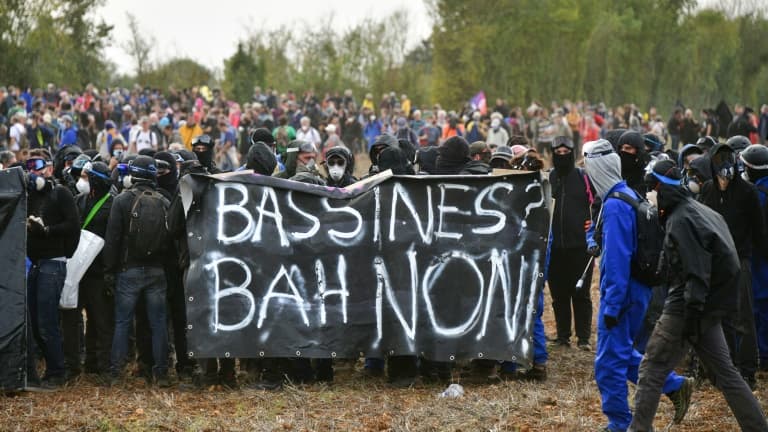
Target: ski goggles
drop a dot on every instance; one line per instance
(36, 164)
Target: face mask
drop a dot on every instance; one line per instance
(83, 186)
(495, 124)
(336, 172)
(117, 153)
(563, 162)
(652, 197)
(693, 186)
(127, 182)
(630, 164)
(305, 128)
(310, 164)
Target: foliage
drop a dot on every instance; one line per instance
(179, 73)
(241, 73)
(650, 52)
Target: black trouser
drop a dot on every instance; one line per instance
(143, 339)
(177, 309)
(666, 348)
(565, 268)
(99, 303)
(72, 334)
(211, 367)
(402, 367)
(740, 330)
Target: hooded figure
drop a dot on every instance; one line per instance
(167, 174)
(623, 299)
(380, 143)
(687, 150)
(202, 146)
(300, 164)
(701, 267)
(426, 158)
(63, 157)
(340, 165)
(261, 159)
(738, 202)
(453, 155)
(613, 135)
(395, 159)
(699, 172)
(633, 160)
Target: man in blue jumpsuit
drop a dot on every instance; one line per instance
(623, 300)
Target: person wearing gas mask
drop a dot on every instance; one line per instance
(53, 232)
(631, 149)
(340, 164)
(202, 146)
(701, 267)
(96, 293)
(755, 160)
(737, 200)
(699, 171)
(568, 257)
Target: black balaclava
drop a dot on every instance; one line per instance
(665, 179)
(426, 157)
(395, 159)
(633, 165)
(99, 179)
(452, 156)
(170, 181)
(205, 157)
(563, 164)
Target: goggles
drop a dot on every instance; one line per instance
(36, 164)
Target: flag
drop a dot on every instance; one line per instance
(478, 103)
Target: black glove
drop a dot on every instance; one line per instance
(594, 251)
(610, 321)
(692, 326)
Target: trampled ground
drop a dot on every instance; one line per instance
(567, 401)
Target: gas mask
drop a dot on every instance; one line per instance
(724, 163)
(127, 182)
(336, 170)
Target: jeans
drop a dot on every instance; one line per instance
(131, 284)
(666, 348)
(44, 284)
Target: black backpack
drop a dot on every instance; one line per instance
(650, 240)
(148, 235)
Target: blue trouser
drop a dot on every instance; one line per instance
(132, 283)
(617, 361)
(761, 327)
(540, 355)
(44, 284)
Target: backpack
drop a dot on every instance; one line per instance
(650, 240)
(148, 235)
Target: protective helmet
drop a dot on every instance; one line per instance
(755, 156)
(738, 143)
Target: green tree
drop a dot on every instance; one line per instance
(240, 75)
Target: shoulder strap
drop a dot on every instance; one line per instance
(634, 202)
(95, 209)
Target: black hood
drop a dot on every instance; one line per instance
(703, 168)
(395, 159)
(169, 182)
(452, 156)
(261, 159)
(426, 157)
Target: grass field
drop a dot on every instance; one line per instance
(567, 401)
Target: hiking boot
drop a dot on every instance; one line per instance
(54, 382)
(681, 399)
(751, 382)
(560, 343)
(229, 381)
(584, 346)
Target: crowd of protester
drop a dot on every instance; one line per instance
(109, 161)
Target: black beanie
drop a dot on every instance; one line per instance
(261, 159)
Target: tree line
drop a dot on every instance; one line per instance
(650, 52)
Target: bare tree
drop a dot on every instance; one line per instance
(138, 46)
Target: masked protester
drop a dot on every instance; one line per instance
(573, 197)
(480, 155)
(392, 158)
(340, 164)
(623, 299)
(305, 163)
(203, 146)
(633, 160)
(702, 267)
(96, 292)
(737, 201)
(261, 159)
(53, 233)
(755, 159)
(453, 156)
(380, 143)
(699, 171)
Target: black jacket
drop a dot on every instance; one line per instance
(474, 167)
(98, 226)
(740, 206)
(572, 209)
(56, 206)
(702, 264)
(116, 257)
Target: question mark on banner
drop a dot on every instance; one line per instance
(532, 205)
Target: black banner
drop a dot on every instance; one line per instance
(13, 290)
(443, 267)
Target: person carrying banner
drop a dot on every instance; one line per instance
(702, 267)
(53, 233)
(340, 165)
(623, 299)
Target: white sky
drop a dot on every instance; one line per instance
(210, 33)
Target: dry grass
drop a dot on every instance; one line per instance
(567, 401)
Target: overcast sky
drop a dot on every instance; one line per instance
(210, 34)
